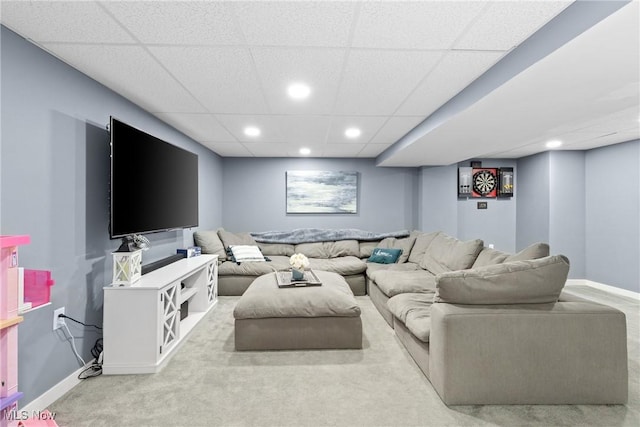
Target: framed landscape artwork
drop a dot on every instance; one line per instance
(322, 192)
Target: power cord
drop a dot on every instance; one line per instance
(73, 344)
(77, 321)
(95, 368)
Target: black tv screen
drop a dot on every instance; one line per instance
(154, 185)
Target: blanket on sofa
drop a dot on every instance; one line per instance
(311, 235)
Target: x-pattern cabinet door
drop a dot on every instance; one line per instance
(212, 282)
(170, 317)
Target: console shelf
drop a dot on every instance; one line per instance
(142, 323)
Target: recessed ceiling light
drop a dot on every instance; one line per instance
(352, 133)
(251, 131)
(554, 143)
(305, 151)
(298, 90)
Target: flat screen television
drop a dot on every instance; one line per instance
(154, 184)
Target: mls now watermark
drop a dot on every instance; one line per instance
(15, 415)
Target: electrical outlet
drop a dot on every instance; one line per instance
(58, 321)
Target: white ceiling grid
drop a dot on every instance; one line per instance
(211, 68)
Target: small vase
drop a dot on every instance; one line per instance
(297, 274)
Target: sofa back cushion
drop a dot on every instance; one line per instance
(423, 240)
(326, 250)
(489, 256)
(274, 249)
(534, 251)
(405, 244)
(228, 238)
(210, 243)
(366, 248)
(519, 282)
(446, 253)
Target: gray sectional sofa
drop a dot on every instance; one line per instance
(484, 326)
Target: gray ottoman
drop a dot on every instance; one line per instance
(316, 317)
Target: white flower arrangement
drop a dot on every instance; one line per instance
(299, 261)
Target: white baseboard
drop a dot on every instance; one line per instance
(56, 392)
(607, 288)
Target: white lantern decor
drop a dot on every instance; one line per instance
(127, 268)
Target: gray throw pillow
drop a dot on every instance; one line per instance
(518, 282)
(210, 243)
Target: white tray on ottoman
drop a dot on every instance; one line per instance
(298, 318)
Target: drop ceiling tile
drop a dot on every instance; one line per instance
(375, 82)
(293, 150)
(259, 149)
(505, 24)
(373, 150)
(455, 72)
(201, 127)
(308, 23)
(367, 125)
(603, 140)
(228, 149)
(223, 79)
(178, 23)
(269, 127)
(318, 68)
(304, 129)
(342, 150)
(62, 21)
(395, 128)
(413, 25)
(131, 72)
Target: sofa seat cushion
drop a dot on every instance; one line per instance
(345, 265)
(392, 283)
(407, 266)
(521, 282)
(230, 268)
(414, 310)
(446, 253)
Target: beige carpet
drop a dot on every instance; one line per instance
(207, 383)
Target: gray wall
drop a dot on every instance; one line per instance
(254, 195)
(613, 215)
(441, 209)
(586, 204)
(532, 212)
(438, 199)
(54, 182)
(497, 224)
(567, 208)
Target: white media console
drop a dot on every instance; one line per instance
(143, 323)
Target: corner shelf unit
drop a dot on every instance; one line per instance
(145, 323)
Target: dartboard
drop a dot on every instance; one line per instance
(484, 182)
